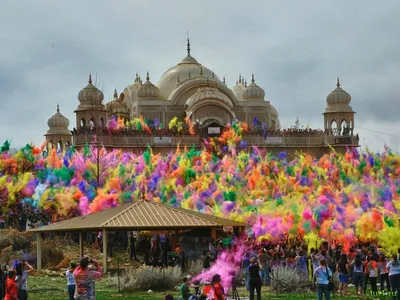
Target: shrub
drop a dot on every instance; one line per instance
(147, 278)
(194, 267)
(286, 280)
(18, 240)
(51, 254)
(22, 241)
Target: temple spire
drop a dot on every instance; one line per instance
(147, 77)
(223, 80)
(188, 44)
(115, 94)
(240, 78)
(90, 78)
(58, 108)
(338, 82)
(252, 78)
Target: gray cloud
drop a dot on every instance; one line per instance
(295, 48)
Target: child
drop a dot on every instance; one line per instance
(217, 288)
(11, 287)
(71, 284)
(184, 289)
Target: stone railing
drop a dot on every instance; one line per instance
(341, 140)
(283, 141)
(136, 141)
(188, 140)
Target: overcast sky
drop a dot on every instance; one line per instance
(295, 48)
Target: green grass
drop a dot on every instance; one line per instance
(54, 288)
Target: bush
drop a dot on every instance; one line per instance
(194, 267)
(18, 240)
(51, 254)
(147, 278)
(22, 241)
(6, 238)
(286, 280)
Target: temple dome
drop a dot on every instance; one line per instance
(130, 92)
(90, 95)
(238, 89)
(148, 90)
(117, 105)
(206, 93)
(253, 91)
(58, 124)
(188, 67)
(338, 96)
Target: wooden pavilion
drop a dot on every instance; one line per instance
(142, 215)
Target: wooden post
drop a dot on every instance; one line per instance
(214, 233)
(105, 248)
(38, 251)
(80, 244)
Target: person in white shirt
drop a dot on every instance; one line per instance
(71, 283)
(321, 275)
(393, 267)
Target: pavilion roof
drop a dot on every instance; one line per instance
(140, 215)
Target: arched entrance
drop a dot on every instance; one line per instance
(211, 126)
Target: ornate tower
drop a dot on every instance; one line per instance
(338, 115)
(58, 136)
(91, 114)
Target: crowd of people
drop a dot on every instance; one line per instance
(80, 280)
(329, 268)
(13, 281)
(131, 131)
(134, 132)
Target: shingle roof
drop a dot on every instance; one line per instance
(141, 215)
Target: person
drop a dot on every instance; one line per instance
(218, 289)
(206, 260)
(184, 289)
(264, 260)
(383, 273)
(71, 284)
(99, 241)
(394, 276)
(169, 297)
(358, 275)
(255, 279)
(21, 279)
(322, 274)
(132, 246)
(85, 289)
(301, 265)
(211, 249)
(343, 268)
(196, 286)
(110, 241)
(314, 259)
(2, 222)
(11, 287)
(202, 297)
(371, 273)
(245, 266)
(3, 279)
